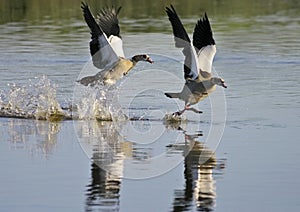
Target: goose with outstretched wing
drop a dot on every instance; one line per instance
(106, 48)
(199, 55)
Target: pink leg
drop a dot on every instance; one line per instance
(179, 113)
(194, 110)
(187, 107)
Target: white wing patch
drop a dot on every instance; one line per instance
(117, 45)
(194, 63)
(205, 58)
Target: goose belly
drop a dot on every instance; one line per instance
(195, 92)
(124, 66)
(118, 71)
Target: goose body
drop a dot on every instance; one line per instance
(199, 54)
(106, 48)
(193, 91)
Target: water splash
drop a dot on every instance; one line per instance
(171, 118)
(97, 103)
(36, 99)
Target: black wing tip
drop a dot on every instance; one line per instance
(180, 35)
(118, 10)
(110, 10)
(171, 10)
(171, 5)
(172, 13)
(89, 19)
(203, 27)
(108, 20)
(205, 18)
(85, 8)
(84, 5)
(167, 8)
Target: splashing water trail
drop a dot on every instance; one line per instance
(37, 100)
(96, 102)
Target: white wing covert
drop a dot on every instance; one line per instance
(205, 58)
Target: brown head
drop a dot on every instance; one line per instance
(218, 81)
(142, 57)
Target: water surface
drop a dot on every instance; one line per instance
(149, 164)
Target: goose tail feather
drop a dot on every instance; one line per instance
(172, 95)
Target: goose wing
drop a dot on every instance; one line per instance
(103, 55)
(182, 40)
(205, 47)
(109, 23)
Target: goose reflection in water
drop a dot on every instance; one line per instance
(107, 147)
(104, 190)
(200, 187)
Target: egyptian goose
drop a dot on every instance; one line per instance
(199, 55)
(106, 48)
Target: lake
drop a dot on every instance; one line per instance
(59, 152)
